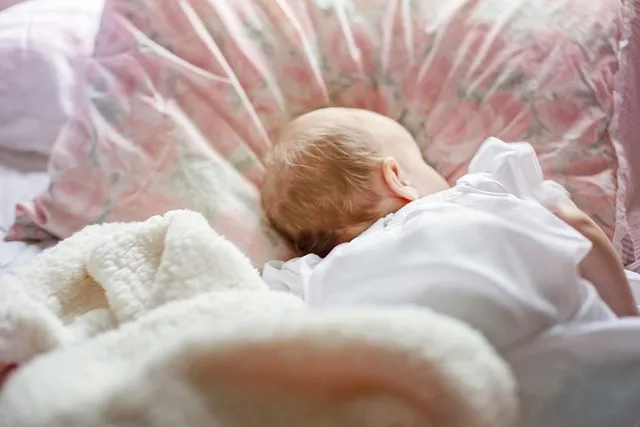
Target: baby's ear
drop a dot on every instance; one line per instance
(396, 181)
(300, 382)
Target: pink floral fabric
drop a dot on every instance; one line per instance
(627, 137)
(187, 97)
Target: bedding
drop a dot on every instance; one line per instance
(44, 47)
(186, 97)
(166, 323)
(21, 175)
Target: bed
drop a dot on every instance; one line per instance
(119, 110)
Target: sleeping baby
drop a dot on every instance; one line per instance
(503, 250)
(350, 190)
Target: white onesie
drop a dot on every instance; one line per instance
(490, 253)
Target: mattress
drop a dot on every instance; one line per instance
(22, 176)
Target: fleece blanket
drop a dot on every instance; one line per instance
(111, 274)
(165, 323)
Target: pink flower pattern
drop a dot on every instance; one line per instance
(172, 81)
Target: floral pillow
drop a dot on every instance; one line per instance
(186, 98)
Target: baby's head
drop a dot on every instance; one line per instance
(336, 171)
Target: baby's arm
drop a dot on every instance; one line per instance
(517, 169)
(602, 266)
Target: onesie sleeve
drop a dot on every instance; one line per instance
(290, 276)
(515, 167)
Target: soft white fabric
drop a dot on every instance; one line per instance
(490, 253)
(110, 274)
(201, 341)
(147, 374)
(44, 46)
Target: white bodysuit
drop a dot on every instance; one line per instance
(490, 253)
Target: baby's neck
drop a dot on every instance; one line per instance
(391, 205)
(387, 206)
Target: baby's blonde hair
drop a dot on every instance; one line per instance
(320, 180)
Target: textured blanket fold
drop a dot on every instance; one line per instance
(109, 274)
(166, 323)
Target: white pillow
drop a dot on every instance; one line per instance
(44, 46)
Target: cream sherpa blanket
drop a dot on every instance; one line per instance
(165, 323)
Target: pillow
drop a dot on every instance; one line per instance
(186, 98)
(44, 46)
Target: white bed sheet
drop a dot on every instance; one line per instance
(22, 176)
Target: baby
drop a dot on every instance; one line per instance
(340, 179)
